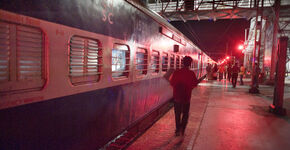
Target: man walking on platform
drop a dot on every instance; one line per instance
(225, 71)
(221, 72)
(208, 70)
(183, 81)
(242, 73)
(229, 70)
(235, 73)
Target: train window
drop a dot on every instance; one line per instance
(172, 57)
(21, 58)
(182, 61)
(164, 62)
(177, 62)
(85, 60)
(120, 61)
(141, 61)
(155, 61)
(194, 64)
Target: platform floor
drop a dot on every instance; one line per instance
(223, 118)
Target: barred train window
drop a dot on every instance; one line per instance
(164, 62)
(194, 64)
(182, 61)
(172, 61)
(177, 62)
(155, 61)
(85, 60)
(141, 61)
(120, 61)
(21, 58)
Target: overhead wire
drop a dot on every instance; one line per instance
(197, 39)
(193, 34)
(223, 34)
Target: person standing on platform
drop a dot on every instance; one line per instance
(183, 81)
(229, 70)
(208, 70)
(214, 72)
(221, 72)
(235, 73)
(242, 73)
(225, 71)
(256, 72)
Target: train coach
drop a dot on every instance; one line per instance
(74, 74)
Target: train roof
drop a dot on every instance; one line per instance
(161, 20)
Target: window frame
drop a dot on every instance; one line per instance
(156, 69)
(26, 68)
(124, 73)
(172, 61)
(88, 47)
(181, 61)
(177, 62)
(195, 64)
(144, 70)
(164, 59)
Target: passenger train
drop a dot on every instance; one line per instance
(74, 74)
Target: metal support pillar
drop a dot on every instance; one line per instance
(277, 106)
(256, 51)
(201, 64)
(274, 46)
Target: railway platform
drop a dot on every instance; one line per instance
(223, 118)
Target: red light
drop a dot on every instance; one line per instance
(228, 57)
(241, 47)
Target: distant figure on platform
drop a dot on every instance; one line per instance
(208, 71)
(183, 81)
(221, 72)
(242, 73)
(257, 72)
(229, 70)
(214, 72)
(225, 71)
(235, 73)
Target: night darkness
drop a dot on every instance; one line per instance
(213, 36)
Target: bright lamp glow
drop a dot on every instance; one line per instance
(241, 47)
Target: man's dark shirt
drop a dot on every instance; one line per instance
(235, 70)
(183, 81)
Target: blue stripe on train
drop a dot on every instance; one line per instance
(120, 20)
(82, 121)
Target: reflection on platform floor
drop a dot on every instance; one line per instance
(223, 118)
